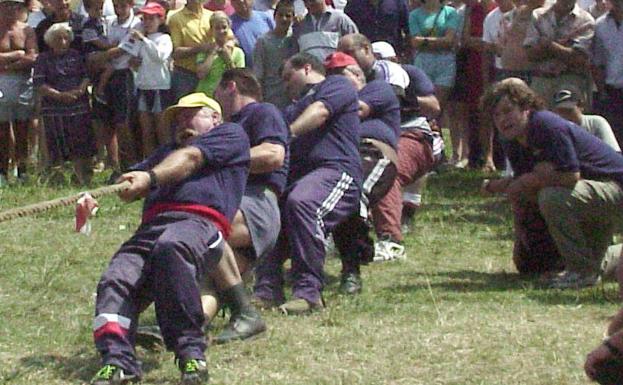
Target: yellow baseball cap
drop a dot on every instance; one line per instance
(196, 100)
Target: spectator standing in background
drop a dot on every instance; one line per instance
(608, 66)
(384, 20)
(558, 43)
(248, 25)
(433, 30)
(18, 51)
(153, 77)
(321, 29)
(271, 50)
(223, 55)
(61, 78)
(190, 29)
(513, 54)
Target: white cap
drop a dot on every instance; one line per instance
(383, 49)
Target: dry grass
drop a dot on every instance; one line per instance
(454, 312)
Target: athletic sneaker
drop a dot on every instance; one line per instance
(388, 249)
(194, 372)
(113, 375)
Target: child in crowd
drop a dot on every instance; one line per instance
(222, 55)
(94, 38)
(61, 79)
(153, 78)
(272, 49)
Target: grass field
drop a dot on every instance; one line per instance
(455, 312)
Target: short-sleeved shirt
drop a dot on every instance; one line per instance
(208, 84)
(422, 23)
(220, 182)
(189, 29)
(247, 31)
(574, 30)
(383, 123)
(336, 143)
(384, 20)
(263, 122)
(319, 35)
(569, 147)
(608, 50)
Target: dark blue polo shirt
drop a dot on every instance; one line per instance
(383, 123)
(336, 143)
(263, 122)
(569, 147)
(219, 184)
(385, 20)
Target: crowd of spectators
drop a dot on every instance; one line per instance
(89, 82)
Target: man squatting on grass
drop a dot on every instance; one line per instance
(193, 189)
(574, 177)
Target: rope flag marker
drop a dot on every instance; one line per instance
(86, 207)
(40, 207)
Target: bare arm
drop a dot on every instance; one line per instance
(27, 60)
(267, 157)
(176, 167)
(314, 116)
(435, 43)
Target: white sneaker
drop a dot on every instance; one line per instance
(388, 250)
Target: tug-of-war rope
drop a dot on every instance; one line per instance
(40, 207)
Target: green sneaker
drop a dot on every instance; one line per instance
(194, 372)
(113, 375)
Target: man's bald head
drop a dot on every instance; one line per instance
(359, 47)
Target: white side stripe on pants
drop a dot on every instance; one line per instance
(331, 201)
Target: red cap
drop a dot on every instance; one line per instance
(338, 60)
(153, 8)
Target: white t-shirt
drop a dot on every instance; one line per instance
(155, 53)
(494, 28)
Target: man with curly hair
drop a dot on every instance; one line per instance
(571, 176)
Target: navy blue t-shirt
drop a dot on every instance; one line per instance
(263, 122)
(336, 143)
(419, 83)
(219, 184)
(383, 123)
(566, 145)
